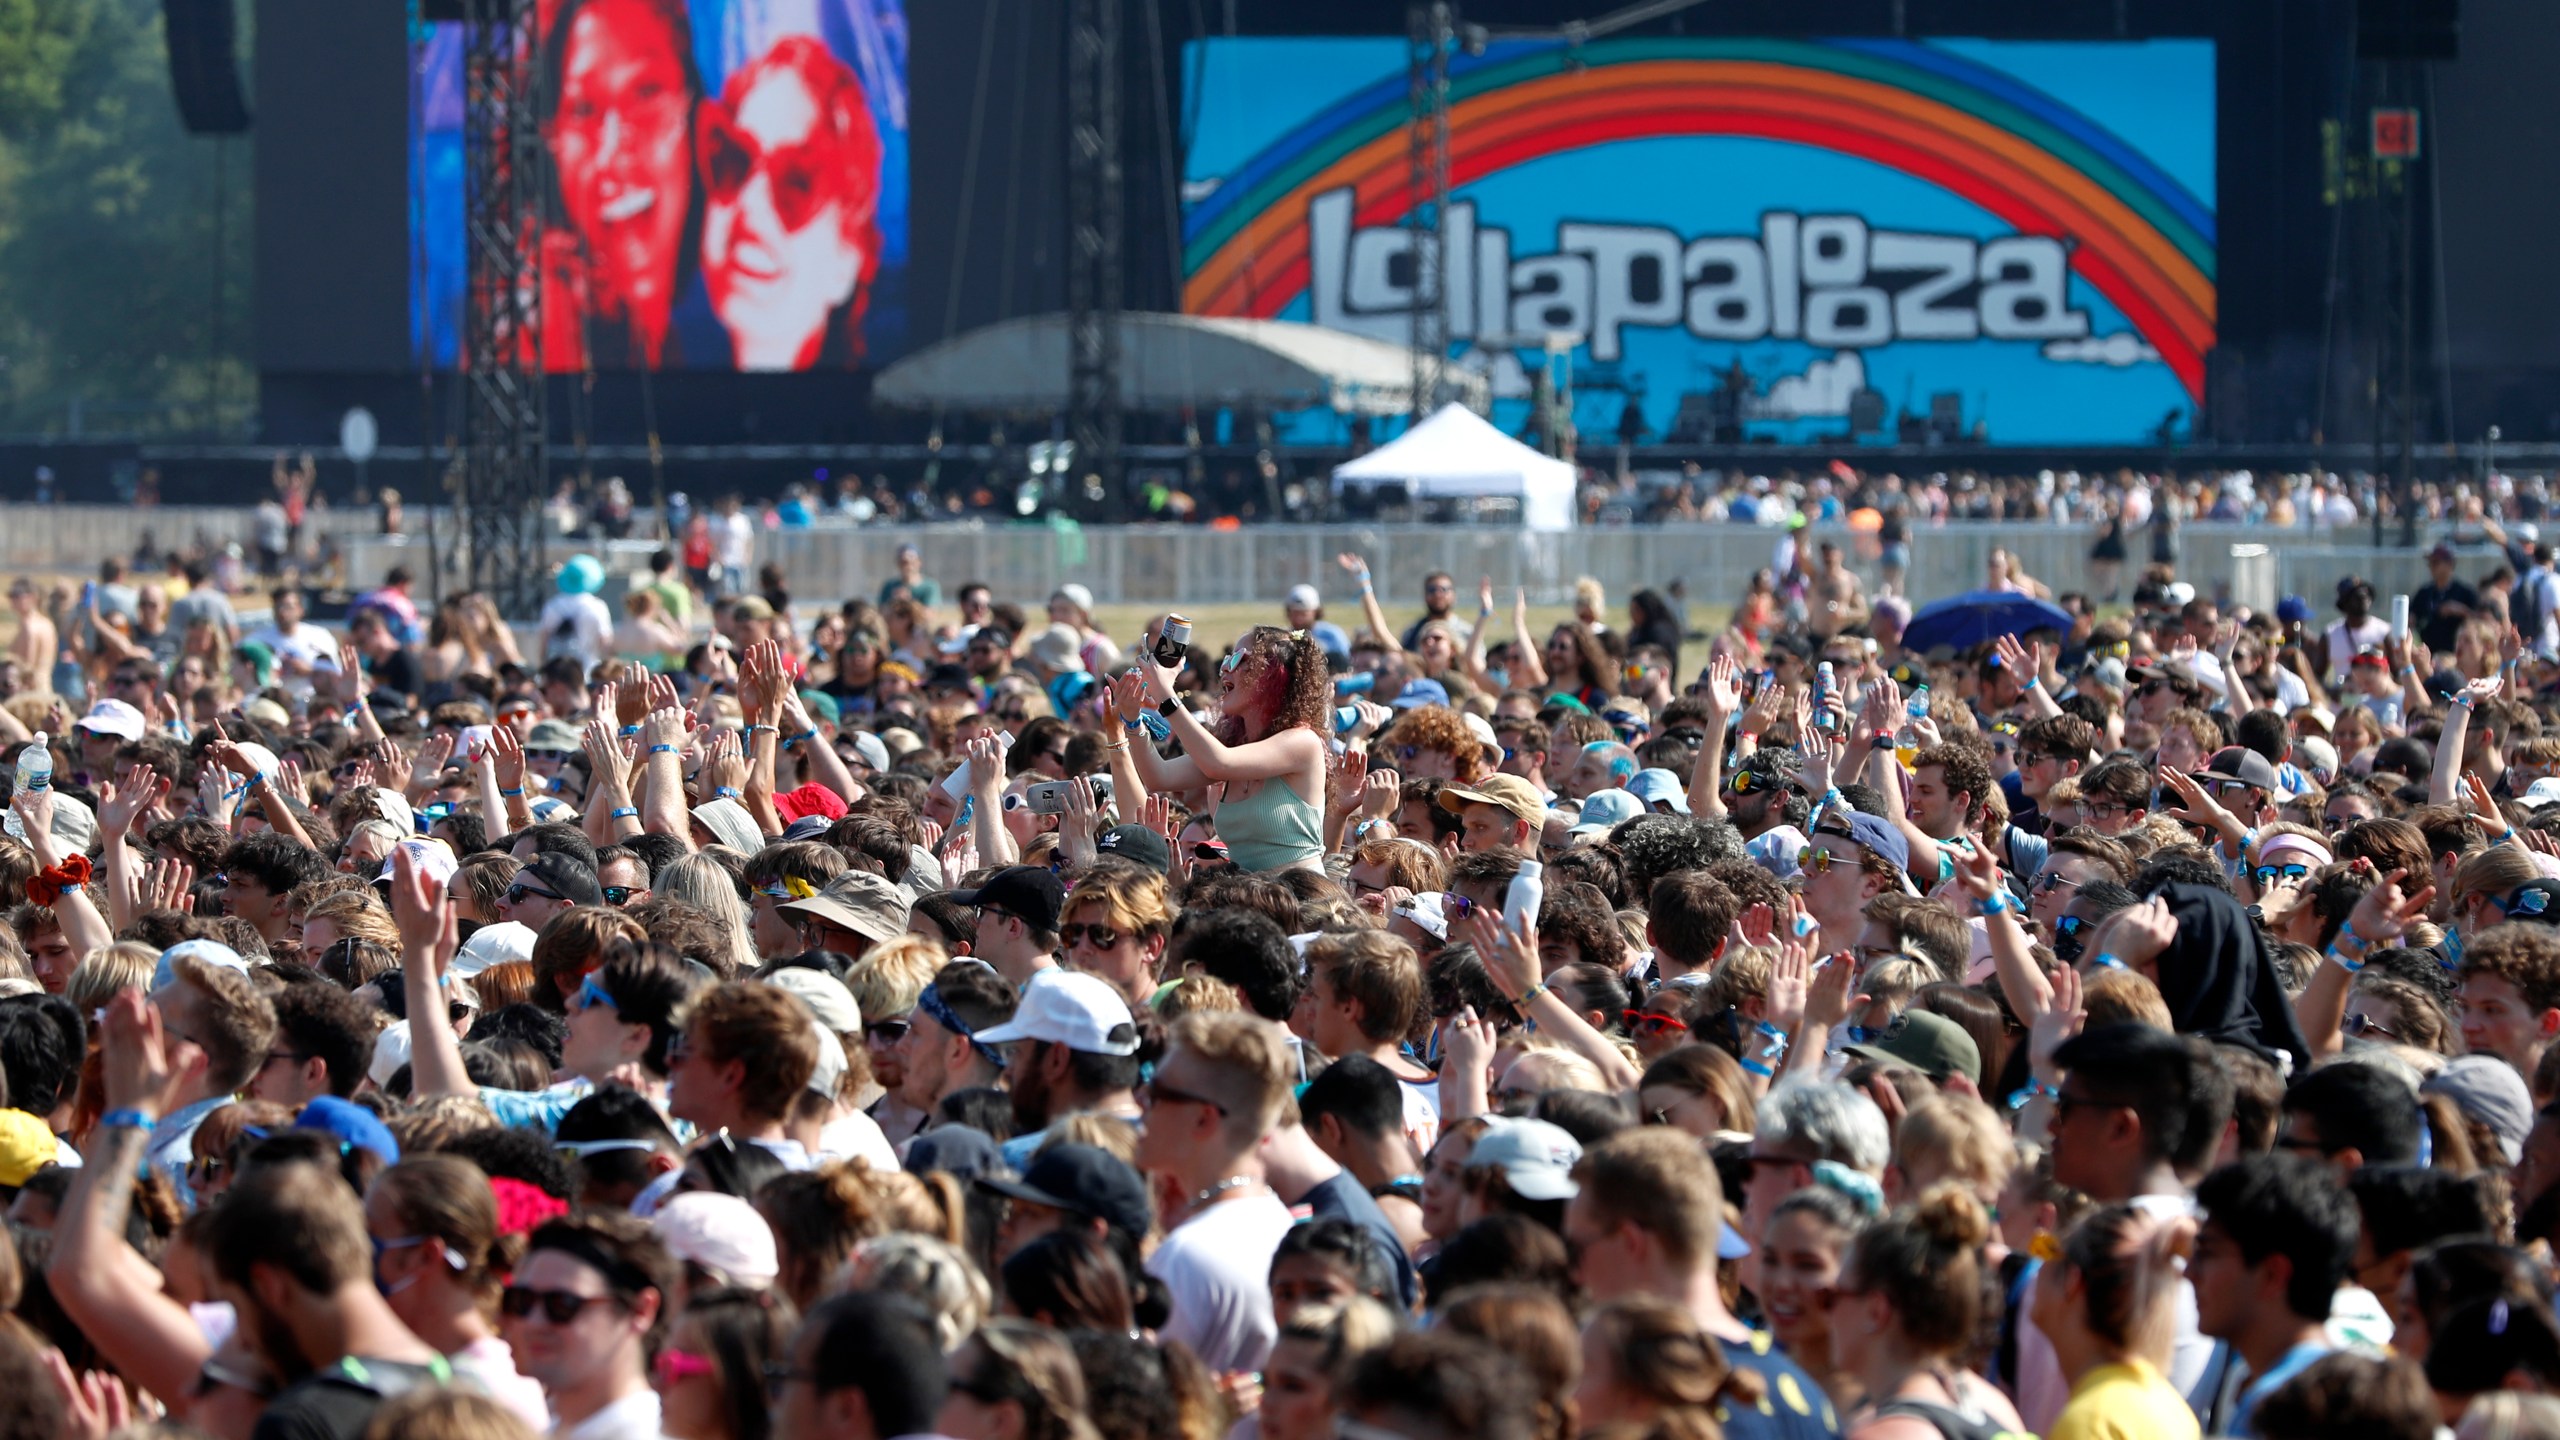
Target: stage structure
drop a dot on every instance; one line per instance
(504, 425)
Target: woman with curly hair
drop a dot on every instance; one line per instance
(1275, 713)
(1431, 742)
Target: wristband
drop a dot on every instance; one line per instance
(1881, 740)
(2350, 966)
(515, 794)
(1770, 1031)
(1532, 993)
(662, 749)
(2107, 961)
(2032, 684)
(353, 713)
(1992, 906)
(624, 813)
(724, 792)
(776, 729)
(630, 730)
(127, 1119)
(1756, 1068)
(803, 738)
(2026, 1094)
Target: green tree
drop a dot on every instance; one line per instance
(109, 263)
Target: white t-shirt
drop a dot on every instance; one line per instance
(590, 636)
(1218, 1266)
(856, 1136)
(490, 1365)
(1421, 1112)
(307, 643)
(2345, 640)
(733, 540)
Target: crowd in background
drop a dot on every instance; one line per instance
(710, 1015)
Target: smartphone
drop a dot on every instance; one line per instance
(2399, 617)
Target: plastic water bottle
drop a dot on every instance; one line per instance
(1906, 741)
(35, 765)
(1520, 903)
(1917, 707)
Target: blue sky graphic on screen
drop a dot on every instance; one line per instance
(1774, 235)
(726, 186)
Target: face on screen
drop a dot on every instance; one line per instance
(621, 142)
(790, 176)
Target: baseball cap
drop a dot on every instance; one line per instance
(824, 994)
(720, 1233)
(1304, 597)
(1505, 792)
(960, 1151)
(2319, 758)
(553, 737)
(26, 1146)
(1421, 692)
(1775, 849)
(2242, 764)
(751, 607)
(2441, 550)
(1537, 1158)
(1136, 844)
(566, 876)
(2535, 900)
(212, 952)
(1604, 810)
(873, 750)
(1027, 891)
(1658, 786)
(2545, 791)
(1074, 594)
(1428, 910)
(1083, 1180)
(504, 943)
(352, 1124)
(1931, 1044)
(2293, 610)
(1070, 1008)
(434, 859)
(806, 801)
(2487, 1089)
(2350, 584)
(859, 901)
(827, 1076)
(112, 717)
(1874, 833)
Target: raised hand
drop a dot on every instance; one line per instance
(2484, 806)
(432, 757)
(2135, 935)
(1129, 695)
(1758, 927)
(506, 753)
(35, 817)
(1350, 775)
(1510, 956)
(94, 1404)
(226, 752)
(1790, 982)
(1833, 996)
(2388, 910)
(425, 914)
(135, 1064)
(1977, 872)
(2062, 1018)
(1467, 1043)
(1724, 692)
(171, 885)
(727, 767)
(128, 797)
(1764, 709)
(1380, 794)
(1353, 565)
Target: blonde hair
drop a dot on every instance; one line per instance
(1252, 1060)
(890, 975)
(2113, 997)
(1954, 1137)
(1133, 901)
(1102, 1132)
(933, 1272)
(358, 916)
(1565, 1069)
(1198, 995)
(101, 974)
(701, 882)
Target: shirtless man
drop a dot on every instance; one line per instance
(1837, 601)
(36, 642)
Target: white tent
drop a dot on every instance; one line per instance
(1458, 452)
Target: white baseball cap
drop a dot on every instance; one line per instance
(824, 994)
(1429, 911)
(508, 940)
(721, 1233)
(1304, 597)
(1070, 1008)
(434, 859)
(112, 717)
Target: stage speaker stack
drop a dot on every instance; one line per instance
(204, 66)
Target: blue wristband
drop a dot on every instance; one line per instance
(724, 792)
(127, 1119)
(662, 749)
(803, 738)
(515, 794)
(630, 730)
(625, 813)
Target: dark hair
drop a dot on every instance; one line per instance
(1654, 846)
(625, 1251)
(2349, 1396)
(2257, 1094)
(1245, 948)
(2288, 1205)
(2479, 1345)
(616, 1112)
(506, 1152)
(734, 1167)
(320, 1020)
(1137, 1389)
(958, 923)
(2454, 1272)
(1500, 1248)
(2145, 1069)
(882, 1345)
(1456, 1386)
(1358, 1091)
(1070, 1278)
(653, 986)
(1347, 1243)
(1692, 913)
(2405, 1206)
(274, 860)
(656, 851)
(1925, 1260)
(525, 1023)
(745, 1331)
(556, 837)
(42, 1043)
(2359, 1105)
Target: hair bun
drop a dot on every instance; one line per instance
(1949, 1214)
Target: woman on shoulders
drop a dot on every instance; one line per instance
(1275, 701)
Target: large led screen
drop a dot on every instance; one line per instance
(725, 186)
(1786, 239)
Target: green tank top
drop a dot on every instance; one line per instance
(1272, 829)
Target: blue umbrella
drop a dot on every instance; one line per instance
(1961, 622)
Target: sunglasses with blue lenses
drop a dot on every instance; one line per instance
(2267, 875)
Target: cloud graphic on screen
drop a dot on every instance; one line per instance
(1823, 389)
(2119, 350)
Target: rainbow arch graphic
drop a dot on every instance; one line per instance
(2135, 234)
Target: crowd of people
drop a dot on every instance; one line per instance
(932, 1016)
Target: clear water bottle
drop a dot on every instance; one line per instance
(35, 765)
(1906, 741)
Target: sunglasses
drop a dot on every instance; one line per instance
(1646, 1022)
(1100, 937)
(2052, 880)
(517, 894)
(560, 1307)
(1745, 782)
(1155, 1092)
(885, 1032)
(732, 158)
(2268, 874)
(2360, 1024)
(619, 895)
(590, 994)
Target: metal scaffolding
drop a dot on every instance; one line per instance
(504, 424)
(1094, 245)
(1429, 27)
